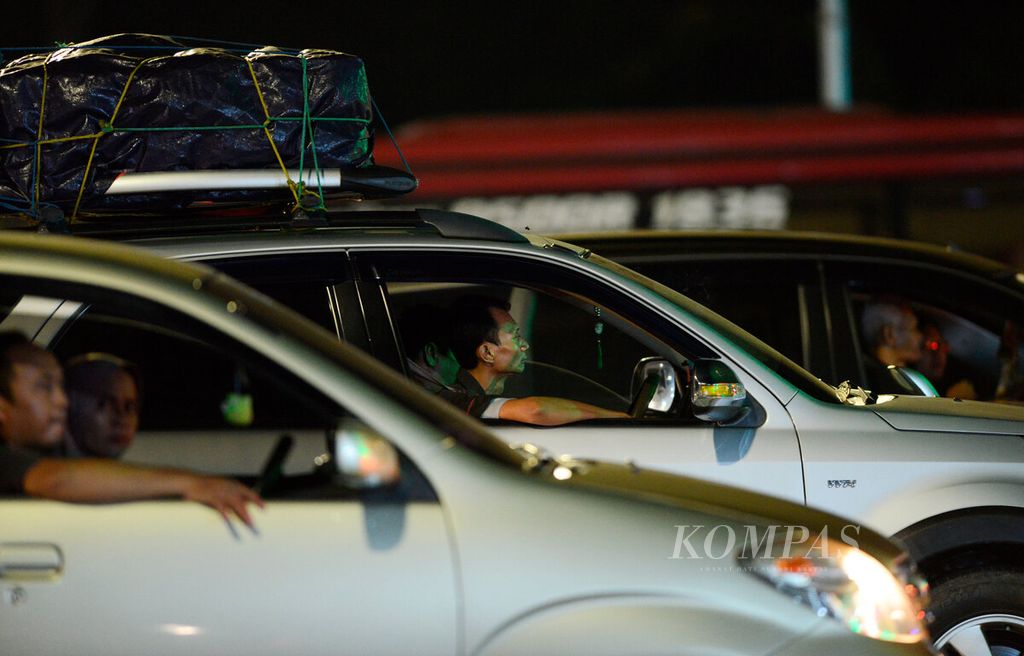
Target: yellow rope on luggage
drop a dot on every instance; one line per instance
(107, 129)
(298, 188)
(270, 138)
(77, 137)
(39, 135)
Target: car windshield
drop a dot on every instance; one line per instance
(766, 355)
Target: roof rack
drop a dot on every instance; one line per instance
(367, 182)
(456, 225)
(170, 196)
(279, 216)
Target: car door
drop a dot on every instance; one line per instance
(586, 339)
(327, 568)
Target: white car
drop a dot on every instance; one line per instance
(944, 477)
(394, 524)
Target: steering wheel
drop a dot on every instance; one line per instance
(638, 408)
(273, 468)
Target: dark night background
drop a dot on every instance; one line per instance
(434, 59)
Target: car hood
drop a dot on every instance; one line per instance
(919, 413)
(663, 488)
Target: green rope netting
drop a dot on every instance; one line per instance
(298, 188)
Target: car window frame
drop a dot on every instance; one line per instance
(309, 486)
(373, 263)
(815, 316)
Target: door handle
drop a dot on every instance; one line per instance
(30, 560)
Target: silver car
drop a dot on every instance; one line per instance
(944, 477)
(394, 524)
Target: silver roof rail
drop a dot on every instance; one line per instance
(371, 181)
(159, 181)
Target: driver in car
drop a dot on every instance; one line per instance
(489, 347)
(430, 363)
(893, 338)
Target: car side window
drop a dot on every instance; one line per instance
(190, 381)
(965, 338)
(302, 282)
(576, 349)
(775, 300)
(207, 403)
(581, 347)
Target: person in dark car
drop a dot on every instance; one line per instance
(430, 335)
(935, 364)
(893, 338)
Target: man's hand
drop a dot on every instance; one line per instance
(223, 495)
(96, 480)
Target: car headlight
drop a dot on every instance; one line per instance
(841, 581)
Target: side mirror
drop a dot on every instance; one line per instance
(655, 386)
(716, 393)
(912, 381)
(362, 457)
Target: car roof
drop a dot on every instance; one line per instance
(432, 226)
(207, 245)
(229, 219)
(213, 234)
(790, 242)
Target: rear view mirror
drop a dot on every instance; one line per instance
(362, 457)
(716, 393)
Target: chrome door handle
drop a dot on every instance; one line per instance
(30, 560)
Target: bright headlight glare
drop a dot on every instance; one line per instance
(840, 581)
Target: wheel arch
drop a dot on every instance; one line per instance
(984, 537)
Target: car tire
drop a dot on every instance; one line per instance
(979, 612)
